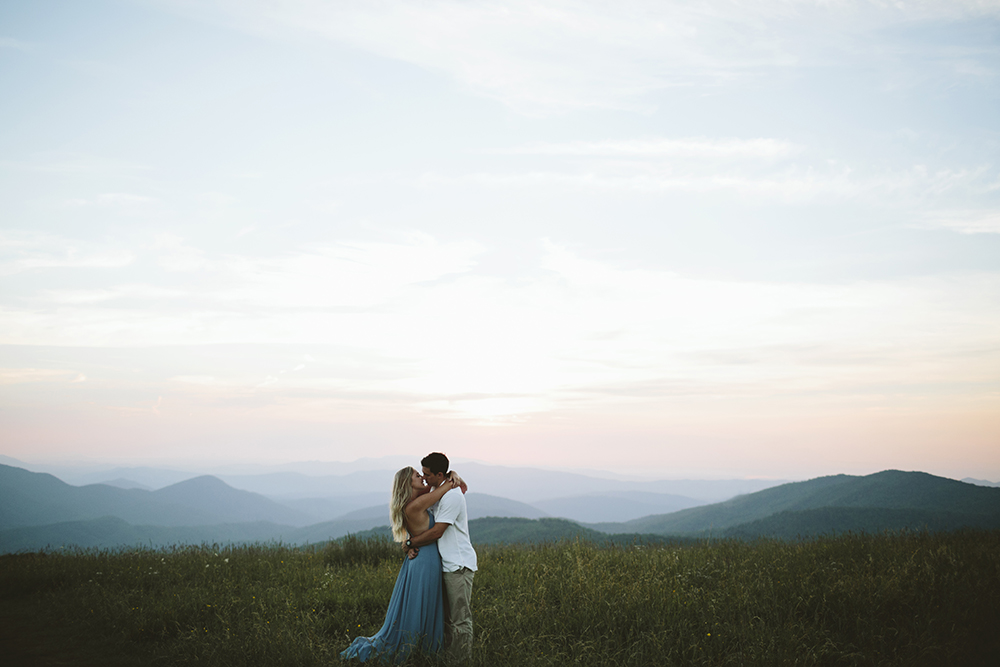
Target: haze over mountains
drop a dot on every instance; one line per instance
(325, 491)
(133, 506)
(295, 499)
(891, 499)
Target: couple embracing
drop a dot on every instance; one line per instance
(430, 607)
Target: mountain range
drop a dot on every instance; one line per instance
(323, 491)
(344, 481)
(904, 499)
(38, 510)
(31, 499)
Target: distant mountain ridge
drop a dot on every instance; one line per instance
(606, 506)
(32, 499)
(344, 481)
(38, 510)
(532, 485)
(887, 490)
(979, 482)
(123, 483)
(29, 498)
(226, 503)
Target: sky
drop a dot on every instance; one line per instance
(703, 240)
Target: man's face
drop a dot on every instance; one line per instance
(431, 478)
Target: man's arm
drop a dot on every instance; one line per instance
(432, 534)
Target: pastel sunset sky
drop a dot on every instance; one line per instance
(718, 239)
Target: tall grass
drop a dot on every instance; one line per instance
(905, 599)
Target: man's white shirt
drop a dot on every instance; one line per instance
(454, 545)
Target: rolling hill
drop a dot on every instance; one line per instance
(31, 499)
(34, 499)
(887, 490)
(805, 524)
(226, 504)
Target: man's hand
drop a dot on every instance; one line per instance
(430, 535)
(412, 553)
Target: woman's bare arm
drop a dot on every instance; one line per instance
(421, 503)
(458, 480)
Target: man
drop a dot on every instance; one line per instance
(458, 559)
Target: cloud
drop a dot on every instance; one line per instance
(792, 184)
(26, 375)
(61, 163)
(661, 147)
(488, 410)
(352, 274)
(26, 251)
(114, 199)
(340, 279)
(201, 380)
(964, 222)
(138, 291)
(15, 44)
(176, 256)
(787, 182)
(416, 327)
(549, 56)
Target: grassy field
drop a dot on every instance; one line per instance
(905, 599)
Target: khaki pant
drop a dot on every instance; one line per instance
(457, 615)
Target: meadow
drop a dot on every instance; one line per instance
(912, 598)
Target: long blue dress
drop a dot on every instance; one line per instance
(415, 616)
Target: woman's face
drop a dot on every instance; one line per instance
(417, 482)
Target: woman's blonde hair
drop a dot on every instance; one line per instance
(402, 493)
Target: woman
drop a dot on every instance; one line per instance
(416, 608)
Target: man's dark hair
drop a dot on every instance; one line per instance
(435, 462)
